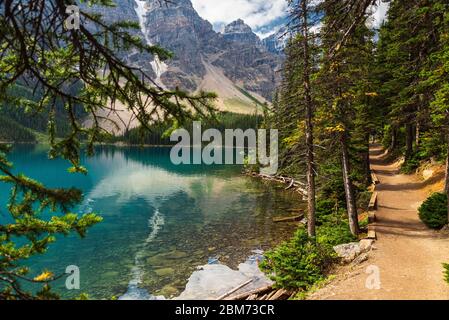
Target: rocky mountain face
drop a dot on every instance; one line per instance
(235, 63)
(277, 42)
(238, 31)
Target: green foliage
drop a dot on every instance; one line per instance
(51, 79)
(413, 72)
(431, 146)
(11, 131)
(298, 263)
(332, 234)
(363, 199)
(157, 133)
(446, 272)
(31, 229)
(433, 212)
(411, 164)
(303, 261)
(325, 208)
(250, 96)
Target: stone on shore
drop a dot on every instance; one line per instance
(213, 280)
(348, 252)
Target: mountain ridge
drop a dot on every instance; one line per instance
(238, 51)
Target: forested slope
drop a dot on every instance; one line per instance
(345, 86)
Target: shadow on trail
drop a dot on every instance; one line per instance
(404, 187)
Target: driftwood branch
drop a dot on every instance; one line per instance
(289, 219)
(227, 294)
(244, 296)
(290, 182)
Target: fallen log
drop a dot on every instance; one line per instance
(271, 294)
(289, 219)
(227, 294)
(244, 296)
(295, 210)
(292, 183)
(279, 294)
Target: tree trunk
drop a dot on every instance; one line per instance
(446, 186)
(417, 134)
(351, 204)
(311, 192)
(394, 139)
(367, 162)
(408, 141)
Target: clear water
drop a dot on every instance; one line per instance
(161, 221)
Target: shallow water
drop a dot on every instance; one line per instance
(161, 221)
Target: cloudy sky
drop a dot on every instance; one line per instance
(264, 16)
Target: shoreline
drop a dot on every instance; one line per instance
(212, 281)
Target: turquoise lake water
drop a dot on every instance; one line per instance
(161, 221)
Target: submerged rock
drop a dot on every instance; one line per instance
(168, 291)
(136, 293)
(214, 280)
(163, 272)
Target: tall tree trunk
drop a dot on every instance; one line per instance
(311, 192)
(366, 160)
(394, 138)
(446, 186)
(408, 141)
(417, 134)
(351, 204)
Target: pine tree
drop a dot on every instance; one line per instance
(344, 108)
(435, 78)
(303, 13)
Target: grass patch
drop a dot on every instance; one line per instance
(250, 96)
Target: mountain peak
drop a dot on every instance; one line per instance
(239, 31)
(155, 4)
(237, 26)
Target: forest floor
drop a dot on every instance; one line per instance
(409, 256)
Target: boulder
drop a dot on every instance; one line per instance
(366, 245)
(348, 252)
(360, 259)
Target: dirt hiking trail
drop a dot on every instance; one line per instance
(408, 254)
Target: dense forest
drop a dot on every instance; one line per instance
(159, 133)
(344, 87)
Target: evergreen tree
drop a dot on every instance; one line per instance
(303, 13)
(435, 78)
(344, 90)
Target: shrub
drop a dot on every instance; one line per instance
(298, 263)
(331, 234)
(324, 210)
(303, 261)
(446, 272)
(433, 212)
(410, 165)
(363, 199)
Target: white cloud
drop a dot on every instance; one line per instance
(256, 13)
(260, 15)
